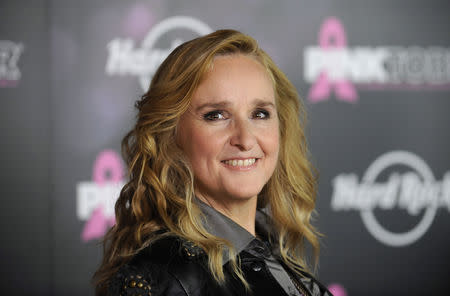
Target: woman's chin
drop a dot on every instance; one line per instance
(241, 195)
(231, 192)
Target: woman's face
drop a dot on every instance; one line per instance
(230, 132)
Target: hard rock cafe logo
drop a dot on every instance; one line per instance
(9, 57)
(96, 198)
(332, 66)
(415, 191)
(125, 59)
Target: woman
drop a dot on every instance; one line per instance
(221, 191)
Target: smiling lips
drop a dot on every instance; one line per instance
(243, 163)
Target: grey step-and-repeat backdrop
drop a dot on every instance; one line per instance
(374, 75)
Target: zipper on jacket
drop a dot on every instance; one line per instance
(299, 286)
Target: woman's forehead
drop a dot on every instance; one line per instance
(234, 76)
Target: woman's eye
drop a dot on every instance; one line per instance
(214, 115)
(261, 114)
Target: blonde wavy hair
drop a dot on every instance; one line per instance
(160, 192)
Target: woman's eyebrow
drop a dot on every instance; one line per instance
(224, 104)
(264, 103)
(221, 104)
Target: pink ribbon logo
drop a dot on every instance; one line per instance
(107, 168)
(337, 290)
(332, 35)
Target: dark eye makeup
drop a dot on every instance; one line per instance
(220, 115)
(214, 115)
(261, 114)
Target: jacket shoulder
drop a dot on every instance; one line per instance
(133, 280)
(158, 269)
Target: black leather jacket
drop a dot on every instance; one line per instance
(174, 267)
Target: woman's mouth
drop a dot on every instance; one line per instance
(240, 162)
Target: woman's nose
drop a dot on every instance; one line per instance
(242, 135)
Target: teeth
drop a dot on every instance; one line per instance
(240, 162)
